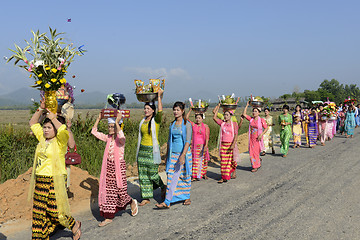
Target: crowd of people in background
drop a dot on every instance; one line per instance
(187, 155)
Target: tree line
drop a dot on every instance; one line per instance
(332, 90)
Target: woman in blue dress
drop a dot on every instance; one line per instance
(350, 121)
(179, 159)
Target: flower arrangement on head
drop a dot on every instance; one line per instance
(329, 110)
(51, 58)
(349, 101)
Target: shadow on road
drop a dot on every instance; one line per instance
(93, 186)
(3, 237)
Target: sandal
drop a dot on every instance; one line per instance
(205, 177)
(77, 233)
(135, 211)
(144, 202)
(162, 206)
(233, 175)
(105, 222)
(262, 154)
(187, 202)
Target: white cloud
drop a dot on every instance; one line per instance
(149, 72)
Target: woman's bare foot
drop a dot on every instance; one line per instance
(233, 175)
(205, 177)
(222, 181)
(144, 202)
(162, 206)
(187, 202)
(105, 222)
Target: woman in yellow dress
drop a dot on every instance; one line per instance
(48, 180)
(268, 136)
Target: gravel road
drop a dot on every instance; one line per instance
(311, 194)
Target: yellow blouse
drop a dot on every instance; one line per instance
(146, 138)
(46, 150)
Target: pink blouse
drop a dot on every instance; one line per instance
(200, 133)
(226, 132)
(254, 125)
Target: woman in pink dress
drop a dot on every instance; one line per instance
(256, 132)
(199, 146)
(229, 153)
(113, 196)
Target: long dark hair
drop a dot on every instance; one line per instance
(153, 107)
(181, 105)
(298, 106)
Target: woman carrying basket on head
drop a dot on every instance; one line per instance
(228, 150)
(199, 146)
(148, 151)
(257, 129)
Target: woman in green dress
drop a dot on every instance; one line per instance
(285, 120)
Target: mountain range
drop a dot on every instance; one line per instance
(23, 97)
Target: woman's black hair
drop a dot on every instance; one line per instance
(231, 114)
(313, 108)
(153, 107)
(61, 119)
(298, 106)
(286, 107)
(200, 114)
(259, 109)
(267, 109)
(181, 105)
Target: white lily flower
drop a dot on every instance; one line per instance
(61, 59)
(39, 63)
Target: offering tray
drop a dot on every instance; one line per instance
(229, 106)
(199, 110)
(256, 103)
(147, 97)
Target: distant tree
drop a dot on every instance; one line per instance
(286, 97)
(351, 91)
(332, 89)
(311, 95)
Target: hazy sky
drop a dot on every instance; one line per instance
(204, 48)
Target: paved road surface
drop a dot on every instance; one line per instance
(311, 194)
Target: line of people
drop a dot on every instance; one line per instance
(187, 157)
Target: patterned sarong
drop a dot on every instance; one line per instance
(227, 163)
(148, 172)
(45, 214)
(200, 161)
(178, 183)
(116, 198)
